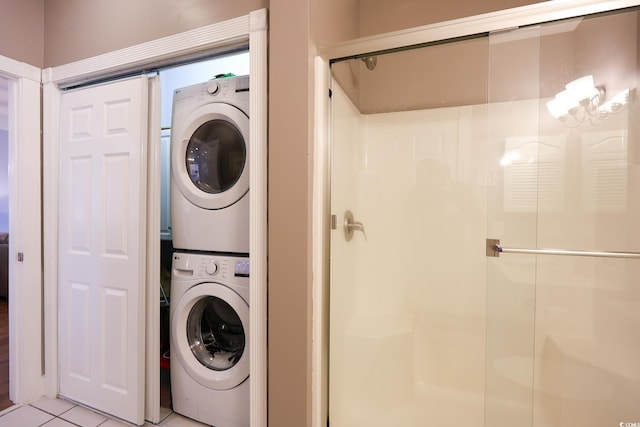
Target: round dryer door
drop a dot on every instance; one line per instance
(210, 156)
(210, 327)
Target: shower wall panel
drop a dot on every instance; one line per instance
(346, 130)
(407, 334)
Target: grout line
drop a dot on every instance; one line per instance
(40, 410)
(65, 411)
(66, 421)
(59, 416)
(51, 413)
(9, 410)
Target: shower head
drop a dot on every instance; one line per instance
(370, 62)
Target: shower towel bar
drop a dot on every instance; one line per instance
(494, 250)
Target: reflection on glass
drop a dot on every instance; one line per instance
(438, 148)
(215, 334)
(215, 156)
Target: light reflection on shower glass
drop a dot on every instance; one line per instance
(436, 149)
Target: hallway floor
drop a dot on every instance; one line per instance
(4, 355)
(62, 413)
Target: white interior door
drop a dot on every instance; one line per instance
(101, 254)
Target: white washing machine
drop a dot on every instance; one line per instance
(210, 166)
(210, 338)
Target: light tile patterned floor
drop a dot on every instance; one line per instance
(62, 413)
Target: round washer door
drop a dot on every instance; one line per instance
(210, 330)
(210, 156)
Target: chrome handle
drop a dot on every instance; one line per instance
(494, 249)
(350, 226)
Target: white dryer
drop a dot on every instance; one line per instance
(210, 338)
(210, 166)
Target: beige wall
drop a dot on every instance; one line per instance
(296, 28)
(22, 30)
(289, 213)
(381, 16)
(78, 29)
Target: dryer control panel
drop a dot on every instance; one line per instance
(198, 266)
(219, 88)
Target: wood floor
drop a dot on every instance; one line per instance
(4, 354)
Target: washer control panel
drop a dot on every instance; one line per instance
(197, 266)
(211, 268)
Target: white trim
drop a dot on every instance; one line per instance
(12, 68)
(50, 170)
(320, 248)
(258, 217)
(152, 365)
(25, 278)
(143, 263)
(494, 21)
(251, 28)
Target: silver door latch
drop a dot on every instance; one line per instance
(350, 226)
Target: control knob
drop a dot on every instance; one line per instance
(211, 268)
(213, 88)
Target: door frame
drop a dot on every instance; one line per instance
(25, 278)
(321, 210)
(246, 30)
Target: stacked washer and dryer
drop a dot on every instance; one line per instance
(209, 312)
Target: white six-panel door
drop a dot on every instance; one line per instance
(102, 232)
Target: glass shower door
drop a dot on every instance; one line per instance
(485, 231)
(564, 203)
(513, 189)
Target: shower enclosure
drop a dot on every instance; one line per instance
(485, 242)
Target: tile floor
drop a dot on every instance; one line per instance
(62, 413)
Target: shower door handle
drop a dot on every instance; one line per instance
(494, 249)
(350, 226)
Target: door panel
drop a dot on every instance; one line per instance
(102, 231)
